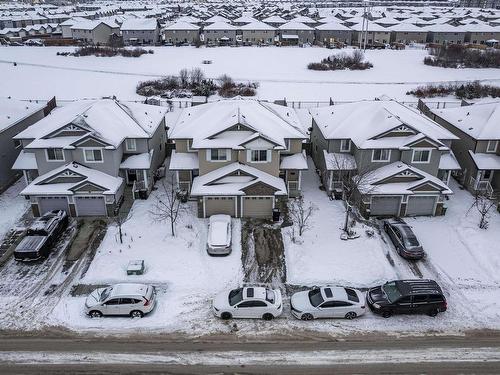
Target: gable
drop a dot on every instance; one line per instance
(404, 176)
(424, 143)
(238, 174)
(259, 188)
(428, 186)
(64, 177)
(88, 188)
(90, 141)
(259, 143)
(401, 131)
(70, 130)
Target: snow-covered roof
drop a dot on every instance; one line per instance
(336, 161)
(257, 25)
(303, 19)
(372, 27)
(245, 19)
(106, 119)
(363, 121)
(373, 182)
(294, 26)
(92, 24)
(181, 25)
(189, 19)
(180, 161)
(12, 111)
(407, 27)
(214, 19)
(445, 28)
(42, 186)
(223, 181)
(274, 19)
(138, 161)
(140, 24)
(486, 161)
(220, 26)
(333, 26)
(480, 121)
(295, 161)
(449, 162)
(205, 123)
(25, 161)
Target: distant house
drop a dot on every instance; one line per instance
(480, 34)
(15, 116)
(293, 33)
(445, 34)
(275, 21)
(66, 26)
(140, 31)
(402, 157)
(478, 148)
(376, 34)
(220, 32)
(332, 32)
(94, 32)
(84, 156)
(181, 32)
(257, 32)
(240, 157)
(406, 33)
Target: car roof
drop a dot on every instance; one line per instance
(410, 287)
(254, 292)
(220, 217)
(127, 289)
(335, 293)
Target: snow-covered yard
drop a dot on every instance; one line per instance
(282, 72)
(12, 207)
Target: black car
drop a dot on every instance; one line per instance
(41, 236)
(407, 297)
(403, 238)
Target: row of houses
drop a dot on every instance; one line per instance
(245, 157)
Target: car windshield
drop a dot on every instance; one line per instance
(391, 291)
(409, 238)
(105, 294)
(315, 297)
(270, 295)
(235, 296)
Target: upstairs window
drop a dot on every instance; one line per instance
(55, 154)
(92, 155)
(345, 145)
(421, 156)
(381, 155)
(216, 154)
(259, 156)
(130, 145)
(492, 146)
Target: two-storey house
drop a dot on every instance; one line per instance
(478, 149)
(400, 158)
(239, 157)
(81, 157)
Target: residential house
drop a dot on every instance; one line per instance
(293, 33)
(407, 33)
(376, 34)
(400, 159)
(15, 116)
(240, 157)
(140, 31)
(181, 32)
(66, 26)
(480, 33)
(257, 32)
(275, 21)
(82, 157)
(445, 34)
(94, 32)
(332, 32)
(220, 32)
(478, 148)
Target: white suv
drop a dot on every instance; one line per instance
(134, 300)
(248, 302)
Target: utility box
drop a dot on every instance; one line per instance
(135, 267)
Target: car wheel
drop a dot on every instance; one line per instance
(226, 316)
(95, 314)
(351, 315)
(267, 316)
(307, 317)
(136, 314)
(433, 312)
(387, 314)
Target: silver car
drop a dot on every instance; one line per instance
(219, 235)
(134, 300)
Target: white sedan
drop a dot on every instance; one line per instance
(248, 302)
(219, 235)
(328, 302)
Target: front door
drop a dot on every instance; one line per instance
(131, 176)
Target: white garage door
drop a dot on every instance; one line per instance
(385, 206)
(257, 206)
(219, 205)
(420, 206)
(46, 204)
(90, 206)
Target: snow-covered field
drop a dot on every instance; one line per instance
(282, 72)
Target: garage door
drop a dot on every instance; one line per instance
(46, 204)
(257, 207)
(219, 205)
(385, 206)
(419, 206)
(90, 206)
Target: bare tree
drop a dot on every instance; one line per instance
(184, 78)
(301, 215)
(196, 76)
(168, 205)
(354, 181)
(483, 203)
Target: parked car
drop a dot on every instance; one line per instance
(134, 300)
(328, 302)
(403, 238)
(219, 235)
(407, 297)
(248, 302)
(41, 236)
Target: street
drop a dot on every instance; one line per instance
(472, 352)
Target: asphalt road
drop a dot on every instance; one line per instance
(475, 352)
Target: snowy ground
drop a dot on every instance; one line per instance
(12, 207)
(282, 72)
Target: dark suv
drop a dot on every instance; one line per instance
(407, 297)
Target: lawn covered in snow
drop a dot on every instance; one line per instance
(281, 72)
(12, 207)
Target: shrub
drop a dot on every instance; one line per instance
(101, 51)
(459, 56)
(342, 61)
(472, 90)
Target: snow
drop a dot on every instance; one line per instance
(78, 77)
(184, 161)
(13, 206)
(149, 24)
(449, 162)
(13, 111)
(138, 161)
(181, 25)
(296, 161)
(335, 161)
(486, 161)
(25, 160)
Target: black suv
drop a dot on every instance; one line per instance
(407, 297)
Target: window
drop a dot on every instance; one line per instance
(404, 300)
(492, 146)
(252, 304)
(55, 154)
(345, 145)
(92, 155)
(421, 156)
(486, 174)
(420, 298)
(115, 301)
(216, 154)
(381, 155)
(126, 301)
(17, 143)
(130, 145)
(258, 156)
